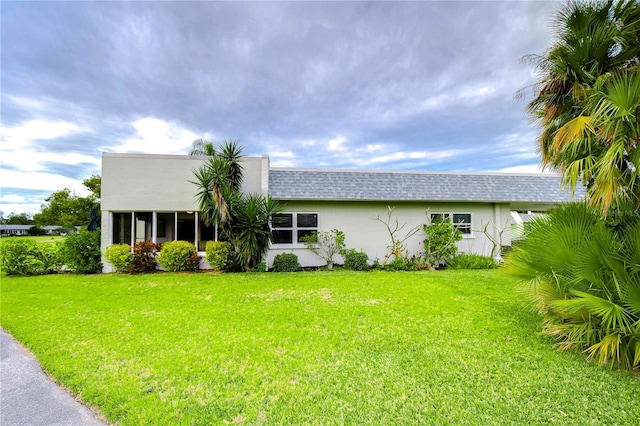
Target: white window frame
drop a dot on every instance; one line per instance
(449, 214)
(294, 229)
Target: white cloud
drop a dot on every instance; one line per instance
(337, 144)
(40, 181)
(24, 134)
(11, 198)
(286, 154)
(283, 163)
(155, 136)
(527, 168)
(29, 208)
(31, 161)
(27, 103)
(374, 147)
(400, 156)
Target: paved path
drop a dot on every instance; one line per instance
(28, 397)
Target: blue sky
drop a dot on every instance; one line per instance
(400, 86)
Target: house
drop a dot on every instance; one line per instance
(53, 229)
(151, 197)
(520, 222)
(14, 230)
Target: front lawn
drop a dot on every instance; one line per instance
(450, 347)
(39, 238)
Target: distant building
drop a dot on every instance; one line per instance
(14, 230)
(53, 229)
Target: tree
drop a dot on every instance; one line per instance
(93, 184)
(242, 219)
(588, 97)
(581, 262)
(66, 208)
(326, 245)
(218, 181)
(250, 231)
(202, 147)
(440, 242)
(18, 219)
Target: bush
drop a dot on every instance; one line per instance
(400, 264)
(286, 262)
(584, 275)
(325, 244)
(471, 261)
(440, 242)
(355, 260)
(51, 255)
(81, 252)
(179, 256)
(119, 256)
(21, 257)
(221, 256)
(35, 230)
(144, 257)
(261, 267)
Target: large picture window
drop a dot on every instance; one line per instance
(290, 228)
(462, 221)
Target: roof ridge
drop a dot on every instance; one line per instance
(409, 172)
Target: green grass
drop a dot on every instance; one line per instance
(450, 347)
(40, 238)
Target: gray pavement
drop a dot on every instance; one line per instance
(28, 397)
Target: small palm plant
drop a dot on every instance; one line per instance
(242, 219)
(584, 275)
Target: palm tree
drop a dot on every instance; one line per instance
(217, 180)
(242, 219)
(201, 147)
(231, 152)
(251, 233)
(601, 146)
(214, 188)
(594, 42)
(585, 277)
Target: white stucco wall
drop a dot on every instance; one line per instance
(143, 182)
(160, 183)
(364, 233)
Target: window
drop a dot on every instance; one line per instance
(462, 221)
(165, 227)
(186, 230)
(290, 227)
(121, 228)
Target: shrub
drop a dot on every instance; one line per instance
(355, 260)
(471, 261)
(220, 255)
(440, 242)
(286, 262)
(178, 256)
(35, 230)
(81, 252)
(584, 275)
(119, 256)
(262, 267)
(51, 255)
(400, 264)
(21, 257)
(325, 244)
(144, 257)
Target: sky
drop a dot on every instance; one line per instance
(342, 85)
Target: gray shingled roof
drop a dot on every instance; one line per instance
(343, 185)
